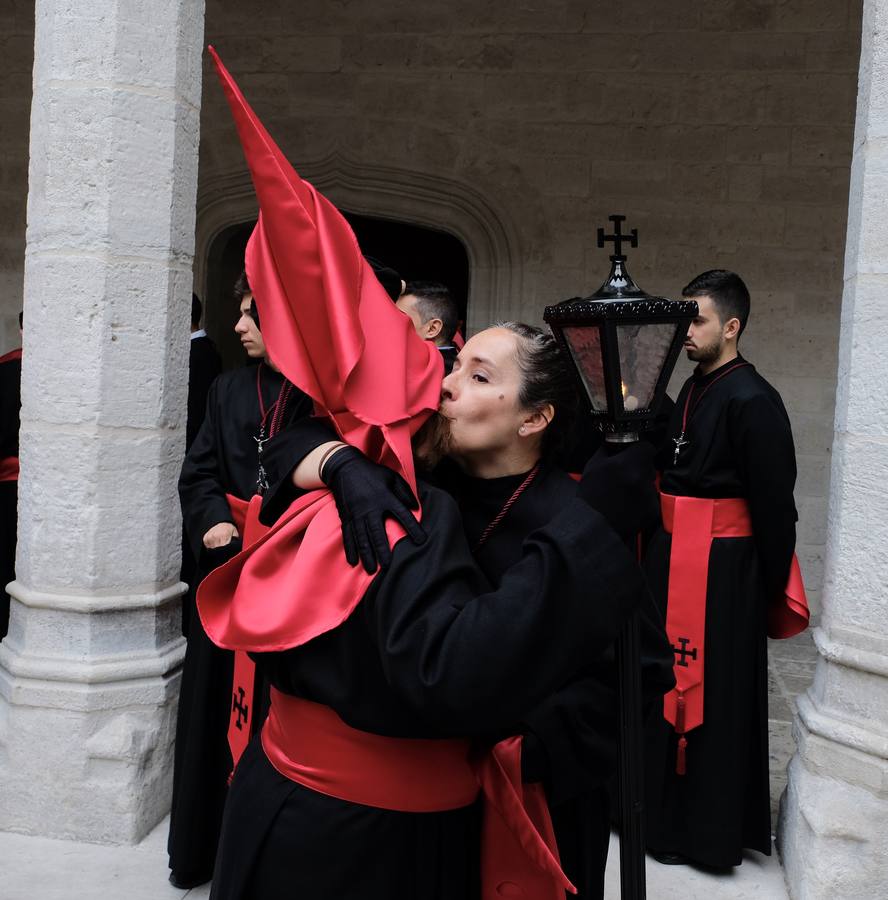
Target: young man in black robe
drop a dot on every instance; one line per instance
(10, 407)
(244, 409)
(204, 364)
(434, 316)
(718, 570)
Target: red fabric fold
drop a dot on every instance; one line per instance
(693, 522)
(517, 828)
(9, 357)
(9, 468)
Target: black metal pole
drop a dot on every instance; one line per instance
(631, 769)
(631, 765)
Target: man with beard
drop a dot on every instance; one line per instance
(719, 569)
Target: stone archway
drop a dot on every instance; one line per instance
(416, 198)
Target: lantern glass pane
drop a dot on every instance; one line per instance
(643, 348)
(585, 348)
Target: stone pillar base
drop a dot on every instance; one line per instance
(103, 719)
(832, 835)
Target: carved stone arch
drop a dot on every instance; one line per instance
(431, 201)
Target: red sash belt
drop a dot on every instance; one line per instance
(9, 468)
(240, 718)
(693, 522)
(309, 744)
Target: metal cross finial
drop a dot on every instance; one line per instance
(684, 653)
(618, 237)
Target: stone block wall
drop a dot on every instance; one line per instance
(16, 62)
(723, 130)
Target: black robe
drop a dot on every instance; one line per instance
(431, 651)
(223, 459)
(571, 737)
(739, 445)
(10, 407)
(204, 366)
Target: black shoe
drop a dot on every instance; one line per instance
(669, 859)
(186, 882)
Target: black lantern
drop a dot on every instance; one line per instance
(623, 343)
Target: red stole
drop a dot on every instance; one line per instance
(693, 522)
(9, 466)
(240, 716)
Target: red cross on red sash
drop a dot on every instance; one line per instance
(693, 523)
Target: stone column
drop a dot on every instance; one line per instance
(833, 824)
(89, 672)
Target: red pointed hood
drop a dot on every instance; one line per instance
(327, 322)
(335, 333)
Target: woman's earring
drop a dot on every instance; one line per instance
(522, 430)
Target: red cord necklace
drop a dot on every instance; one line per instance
(506, 507)
(689, 411)
(276, 411)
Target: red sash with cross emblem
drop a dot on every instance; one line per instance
(240, 722)
(693, 522)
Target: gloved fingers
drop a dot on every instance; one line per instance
(379, 541)
(402, 491)
(349, 543)
(408, 522)
(365, 548)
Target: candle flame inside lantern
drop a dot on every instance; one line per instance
(630, 402)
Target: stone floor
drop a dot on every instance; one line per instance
(790, 671)
(36, 868)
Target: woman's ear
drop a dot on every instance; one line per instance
(537, 420)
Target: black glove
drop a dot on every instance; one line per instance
(621, 487)
(366, 494)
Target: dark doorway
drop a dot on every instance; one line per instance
(419, 254)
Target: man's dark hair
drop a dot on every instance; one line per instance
(546, 377)
(433, 301)
(387, 276)
(729, 294)
(196, 310)
(22, 321)
(241, 286)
